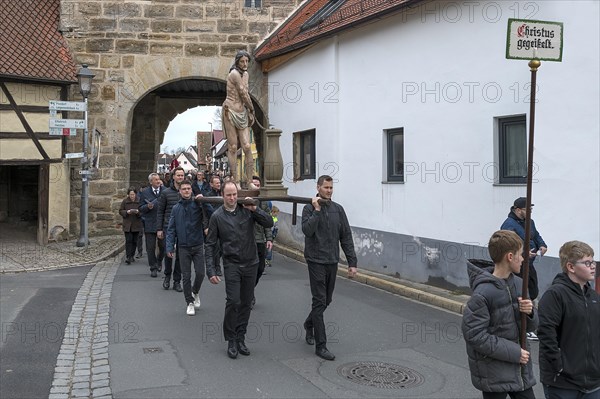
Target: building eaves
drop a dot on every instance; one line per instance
(290, 36)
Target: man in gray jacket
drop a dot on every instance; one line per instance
(325, 227)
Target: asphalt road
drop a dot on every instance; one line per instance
(385, 345)
(34, 308)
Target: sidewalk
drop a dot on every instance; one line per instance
(419, 292)
(27, 256)
(18, 255)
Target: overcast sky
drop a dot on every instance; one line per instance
(182, 129)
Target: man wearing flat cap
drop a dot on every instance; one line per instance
(516, 222)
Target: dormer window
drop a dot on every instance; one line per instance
(322, 14)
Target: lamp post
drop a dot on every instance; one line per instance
(85, 77)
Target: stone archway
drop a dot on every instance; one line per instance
(153, 113)
(133, 110)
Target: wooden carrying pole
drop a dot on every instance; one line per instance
(256, 200)
(533, 65)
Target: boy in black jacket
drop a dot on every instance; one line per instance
(569, 328)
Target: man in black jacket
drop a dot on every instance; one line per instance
(148, 208)
(325, 226)
(234, 227)
(569, 329)
(167, 200)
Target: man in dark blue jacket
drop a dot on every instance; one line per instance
(200, 186)
(186, 228)
(325, 227)
(148, 208)
(516, 222)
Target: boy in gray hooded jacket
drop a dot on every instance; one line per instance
(490, 325)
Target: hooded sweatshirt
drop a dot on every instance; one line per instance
(569, 334)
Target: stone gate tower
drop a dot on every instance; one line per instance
(154, 59)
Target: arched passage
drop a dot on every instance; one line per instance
(153, 113)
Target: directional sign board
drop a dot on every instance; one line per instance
(60, 131)
(529, 39)
(74, 155)
(67, 106)
(74, 123)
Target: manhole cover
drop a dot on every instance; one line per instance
(380, 375)
(152, 350)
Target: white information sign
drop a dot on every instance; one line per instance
(529, 39)
(74, 155)
(67, 106)
(74, 123)
(62, 131)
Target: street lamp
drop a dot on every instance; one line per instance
(85, 77)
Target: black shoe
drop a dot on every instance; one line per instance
(310, 336)
(323, 353)
(128, 260)
(167, 282)
(159, 267)
(177, 286)
(153, 273)
(242, 348)
(232, 350)
(139, 255)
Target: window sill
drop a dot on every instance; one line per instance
(392, 182)
(509, 184)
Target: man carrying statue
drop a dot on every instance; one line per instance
(237, 118)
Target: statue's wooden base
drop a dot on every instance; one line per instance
(248, 193)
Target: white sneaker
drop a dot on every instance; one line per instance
(190, 309)
(196, 300)
(532, 337)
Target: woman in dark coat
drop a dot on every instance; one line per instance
(132, 223)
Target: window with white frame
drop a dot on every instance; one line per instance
(512, 150)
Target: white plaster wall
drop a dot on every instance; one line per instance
(449, 192)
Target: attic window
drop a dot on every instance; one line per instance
(322, 14)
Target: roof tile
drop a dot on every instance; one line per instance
(31, 45)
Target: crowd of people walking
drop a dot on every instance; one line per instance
(181, 232)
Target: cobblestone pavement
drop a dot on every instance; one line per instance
(82, 368)
(18, 255)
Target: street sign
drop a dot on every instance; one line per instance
(74, 155)
(74, 123)
(60, 131)
(67, 106)
(528, 39)
(85, 172)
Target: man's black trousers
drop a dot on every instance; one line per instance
(153, 260)
(169, 264)
(188, 255)
(322, 284)
(261, 248)
(239, 288)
